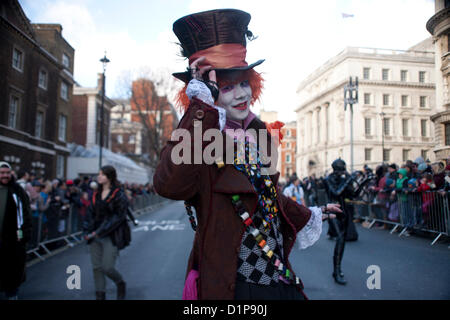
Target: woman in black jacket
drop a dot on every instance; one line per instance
(104, 225)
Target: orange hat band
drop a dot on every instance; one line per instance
(222, 56)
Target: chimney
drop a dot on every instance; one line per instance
(48, 26)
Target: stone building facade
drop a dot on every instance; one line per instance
(126, 135)
(439, 27)
(391, 121)
(36, 68)
(86, 113)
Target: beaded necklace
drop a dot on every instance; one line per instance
(267, 196)
(263, 185)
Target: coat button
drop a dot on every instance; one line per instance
(199, 114)
(231, 287)
(238, 249)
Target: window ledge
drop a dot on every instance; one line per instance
(17, 69)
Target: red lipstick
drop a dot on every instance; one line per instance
(241, 106)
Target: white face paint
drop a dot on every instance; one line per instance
(235, 99)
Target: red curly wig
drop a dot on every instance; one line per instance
(254, 78)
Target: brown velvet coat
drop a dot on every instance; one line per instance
(219, 233)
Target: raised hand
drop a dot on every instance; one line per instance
(198, 74)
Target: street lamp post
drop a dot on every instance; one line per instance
(351, 97)
(104, 61)
(382, 114)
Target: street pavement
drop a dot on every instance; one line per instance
(154, 265)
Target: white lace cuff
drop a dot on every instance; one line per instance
(199, 90)
(222, 116)
(312, 231)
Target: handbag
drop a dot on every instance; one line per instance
(122, 235)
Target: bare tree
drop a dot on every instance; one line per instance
(166, 84)
(148, 92)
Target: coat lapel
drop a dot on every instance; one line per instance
(275, 178)
(232, 181)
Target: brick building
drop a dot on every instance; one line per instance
(288, 151)
(36, 68)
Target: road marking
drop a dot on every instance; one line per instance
(164, 225)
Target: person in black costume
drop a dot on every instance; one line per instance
(339, 185)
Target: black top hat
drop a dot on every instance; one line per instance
(220, 35)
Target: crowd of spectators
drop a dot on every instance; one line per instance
(59, 206)
(395, 192)
(406, 193)
(308, 190)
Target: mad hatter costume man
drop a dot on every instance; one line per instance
(246, 227)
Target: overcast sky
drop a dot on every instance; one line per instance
(295, 37)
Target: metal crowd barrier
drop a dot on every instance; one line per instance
(426, 211)
(146, 202)
(53, 229)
